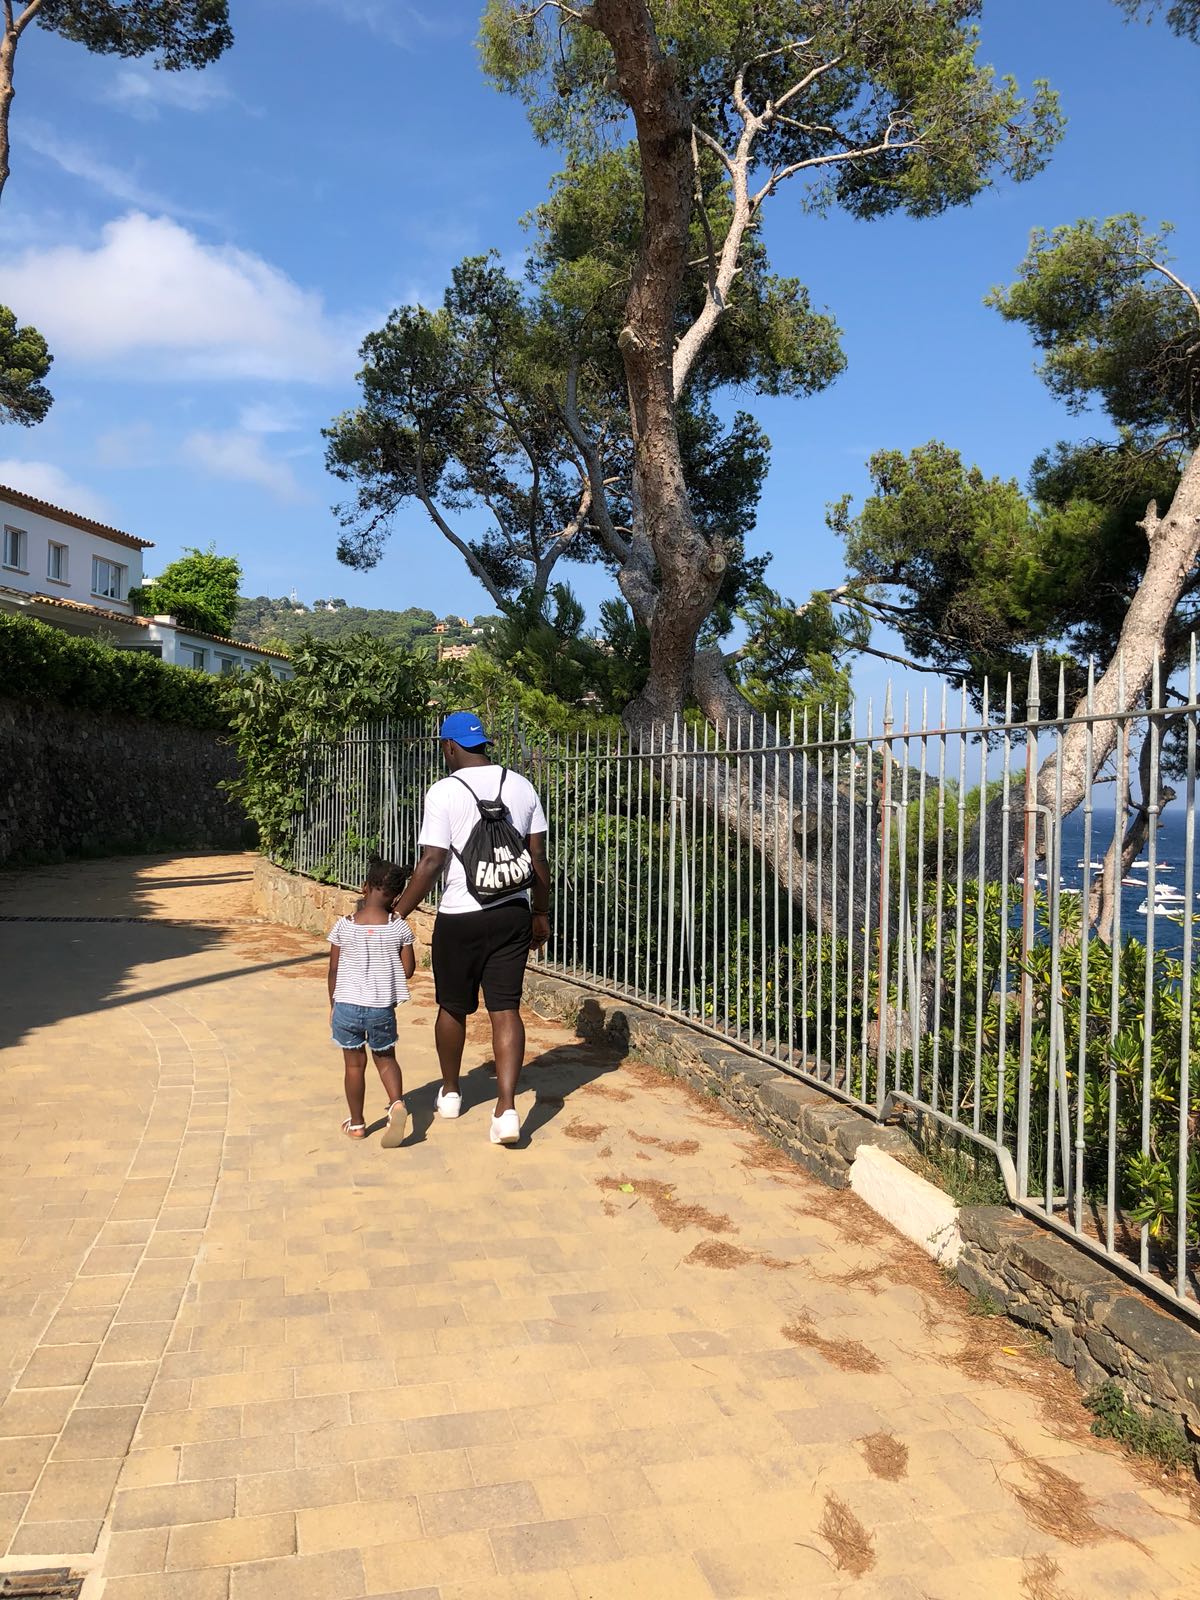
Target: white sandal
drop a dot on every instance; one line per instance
(397, 1125)
(354, 1130)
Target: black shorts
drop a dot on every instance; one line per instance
(487, 949)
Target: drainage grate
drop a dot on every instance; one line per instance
(50, 1583)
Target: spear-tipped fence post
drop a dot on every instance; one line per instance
(1028, 912)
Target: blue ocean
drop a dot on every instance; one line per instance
(1168, 902)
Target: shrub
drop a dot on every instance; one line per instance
(1145, 1436)
(41, 663)
(339, 686)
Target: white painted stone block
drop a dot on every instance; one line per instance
(919, 1210)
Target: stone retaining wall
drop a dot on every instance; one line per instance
(77, 783)
(1098, 1325)
(819, 1133)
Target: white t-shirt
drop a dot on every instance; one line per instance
(451, 814)
(369, 970)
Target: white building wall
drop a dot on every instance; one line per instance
(40, 532)
(182, 648)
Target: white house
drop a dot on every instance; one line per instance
(75, 573)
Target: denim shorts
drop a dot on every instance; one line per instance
(355, 1026)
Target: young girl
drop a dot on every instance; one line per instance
(371, 958)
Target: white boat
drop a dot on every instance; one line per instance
(1167, 900)
(1096, 866)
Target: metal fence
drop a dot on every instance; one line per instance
(892, 904)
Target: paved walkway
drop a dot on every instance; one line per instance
(638, 1355)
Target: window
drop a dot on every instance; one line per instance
(56, 562)
(228, 664)
(14, 549)
(190, 656)
(108, 579)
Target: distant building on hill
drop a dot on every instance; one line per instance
(455, 652)
(76, 574)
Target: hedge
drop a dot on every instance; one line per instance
(42, 663)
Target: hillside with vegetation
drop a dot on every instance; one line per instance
(281, 622)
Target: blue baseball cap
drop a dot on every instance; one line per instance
(465, 729)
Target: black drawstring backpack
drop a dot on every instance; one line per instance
(495, 858)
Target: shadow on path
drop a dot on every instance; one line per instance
(554, 1074)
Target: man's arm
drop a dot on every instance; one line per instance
(423, 881)
(541, 891)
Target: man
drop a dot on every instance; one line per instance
(479, 945)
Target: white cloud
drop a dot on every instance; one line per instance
(47, 482)
(144, 91)
(151, 293)
(265, 418)
(78, 161)
(241, 456)
(403, 25)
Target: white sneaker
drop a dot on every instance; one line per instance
(506, 1128)
(449, 1103)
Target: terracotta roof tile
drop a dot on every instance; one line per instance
(72, 519)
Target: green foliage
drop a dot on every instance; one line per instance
(42, 663)
(513, 399)
(1182, 16)
(504, 701)
(200, 590)
(1112, 1055)
(282, 621)
(962, 1169)
(982, 574)
(1155, 1437)
(1115, 329)
(454, 415)
(24, 362)
(792, 664)
(983, 1305)
(904, 65)
(336, 687)
(179, 34)
(465, 410)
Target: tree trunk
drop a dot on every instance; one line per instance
(689, 568)
(773, 803)
(8, 56)
(1124, 850)
(1174, 542)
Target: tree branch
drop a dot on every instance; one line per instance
(31, 10)
(530, 454)
(805, 83)
(832, 159)
(616, 547)
(555, 5)
(448, 532)
(1172, 277)
(563, 538)
(715, 145)
(704, 222)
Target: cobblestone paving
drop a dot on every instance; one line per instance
(242, 1358)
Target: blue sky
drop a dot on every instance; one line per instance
(204, 252)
